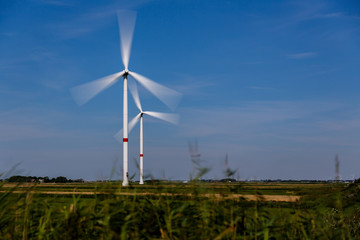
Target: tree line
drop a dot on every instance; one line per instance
(59, 179)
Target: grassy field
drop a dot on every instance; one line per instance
(168, 210)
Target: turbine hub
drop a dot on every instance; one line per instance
(126, 72)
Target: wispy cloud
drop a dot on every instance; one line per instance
(35, 54)
(307, 10)
(42, 122)
(54, 2)
(194, 86)
(301, 11)
(17, 132)
(91, 20)
(283, 136)
(8, 34)
(273, 119)
(302, 55)
(261, 88)
(6, 91)
(54, 85)
(328, 15)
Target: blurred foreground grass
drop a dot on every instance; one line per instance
(168, 210)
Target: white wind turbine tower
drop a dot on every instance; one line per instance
(169, 117)
(85, 92)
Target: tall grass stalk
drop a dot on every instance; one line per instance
(175, 211)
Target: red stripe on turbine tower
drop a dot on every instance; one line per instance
(125, 140)
(141, 155)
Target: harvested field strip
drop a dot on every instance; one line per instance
(267, 198)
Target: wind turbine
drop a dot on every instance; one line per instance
(87, 91)
(169, 117)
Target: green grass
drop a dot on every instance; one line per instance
(325, 211)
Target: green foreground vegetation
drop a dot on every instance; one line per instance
(168, 210)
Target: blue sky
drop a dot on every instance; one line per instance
(275, 84)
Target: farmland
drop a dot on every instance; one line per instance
(174, 210)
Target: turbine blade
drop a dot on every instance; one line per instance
(169, 117)
(87, 91)
(119, 135)
(168, 96)
(133, 122)
(126, 21)
(135, 94)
